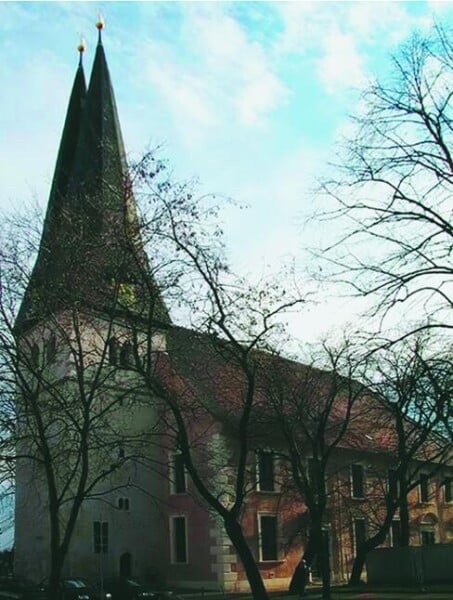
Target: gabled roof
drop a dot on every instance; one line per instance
(91, 246)
(201, 371)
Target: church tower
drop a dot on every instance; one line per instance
(91, 242)
(91, 279)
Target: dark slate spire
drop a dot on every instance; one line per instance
(98, 252)
(31, 304)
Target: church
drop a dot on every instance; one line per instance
(100, 478)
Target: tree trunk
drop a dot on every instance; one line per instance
(404, 520)
(324, 561)
(308, 556)
(56, 565)
(255, 580)
(370, 544)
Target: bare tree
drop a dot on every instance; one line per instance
(394, 188)
(207, 381)
(62, 421)
(413, 383)
(313, 410)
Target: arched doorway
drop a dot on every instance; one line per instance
(126, 565)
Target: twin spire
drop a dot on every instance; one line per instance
(90, 242)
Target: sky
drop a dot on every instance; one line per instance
(251, 98)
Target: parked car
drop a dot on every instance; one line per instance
(128, 588)
(20, 588)
(76, 588)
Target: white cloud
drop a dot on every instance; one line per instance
(214, 75)
(341, 64)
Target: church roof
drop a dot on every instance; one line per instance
(91, 249)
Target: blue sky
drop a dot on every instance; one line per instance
(249, 97)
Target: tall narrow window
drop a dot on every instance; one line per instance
(126, 355)
(448, 489)
(178, 475)
(178, 539)
(423, 488)
(100, 537)
(393, 484)
(268, 537)
(357, 481)
(51, 349)
(359, 533)
(395, 533)
(34, 355)
(112, 348)
(266, 479)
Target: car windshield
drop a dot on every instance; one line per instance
(74, 583)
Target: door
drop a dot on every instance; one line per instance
(126, 565)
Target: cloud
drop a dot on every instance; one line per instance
(341, 65)
(214, 74)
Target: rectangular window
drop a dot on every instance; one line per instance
(357, 481)
(448, 489)
(178, 475)
(395, 532)
(178, 539)
(266, 479)
(268, 537)
(393, 484)
(100, 537)
(359, 527)
(423, 488)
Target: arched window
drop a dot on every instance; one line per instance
(113, 351)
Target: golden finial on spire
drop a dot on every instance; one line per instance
(100, 26)
(82, 45)
(81, 48)
(101, 23)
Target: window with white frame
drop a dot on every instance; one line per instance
(265, 464)
(423, 488)
(357, 481)
(178, 539)
(267, 534)
(359, 531)
(395, 533)
(100, 537)
(178, 476)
